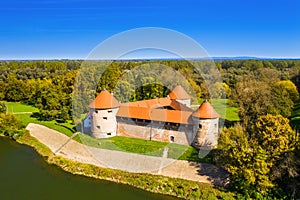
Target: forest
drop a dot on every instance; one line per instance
(261, 151)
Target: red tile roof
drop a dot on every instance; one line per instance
(160, 109)
(154, 110)
(105, 100)
(206, 111)
(163, 115)
(179, 93)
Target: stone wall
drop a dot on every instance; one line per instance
(157, 131)
(207, 134)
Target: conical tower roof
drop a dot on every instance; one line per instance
(105, 100)
(206, 111)
(179, 93)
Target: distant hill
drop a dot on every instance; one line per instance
(250, 58)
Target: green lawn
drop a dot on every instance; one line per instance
(15, 107)
(225, 111)
(295, 118)
(145, 147)
(29, 114)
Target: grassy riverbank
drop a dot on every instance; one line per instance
(152, 183)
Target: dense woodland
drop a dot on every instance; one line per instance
(261, 152)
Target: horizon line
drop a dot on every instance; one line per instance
(162, 58)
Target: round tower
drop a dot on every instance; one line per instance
(206, 121)
(180, 95)
(103, 111)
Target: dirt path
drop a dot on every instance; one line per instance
(62, 145)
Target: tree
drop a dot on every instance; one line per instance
(10, 125)
(245, 162)
(260, 161)
(274, 135)
(220, 90)
(288, 89)
(255, 99)
(3, 108)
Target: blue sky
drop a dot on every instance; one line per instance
(49, 29)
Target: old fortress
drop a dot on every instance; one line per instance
(168, 119)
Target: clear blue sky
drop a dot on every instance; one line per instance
(48, 29)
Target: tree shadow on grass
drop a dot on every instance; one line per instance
(37, 115)
(57, 122)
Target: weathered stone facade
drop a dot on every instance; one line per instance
(156, 131)
(207, 133)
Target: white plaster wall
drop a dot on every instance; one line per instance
(100, 126)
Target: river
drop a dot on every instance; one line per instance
(25, 175)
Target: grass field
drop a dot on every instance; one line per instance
(226, 112)
(28, 114)
(15, 107)
(295, 118)
(145, 147)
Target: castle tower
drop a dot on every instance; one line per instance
(206, 121)
(180, 95)
(103, 111)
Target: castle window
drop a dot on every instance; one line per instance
(172, 138)
(108, 133)
(105, 118)
(98, 127)
(109, 111)
(200, 126)
(96, 111)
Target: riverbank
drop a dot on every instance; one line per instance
(153, 183)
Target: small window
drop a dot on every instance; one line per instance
(215, 125)
(172, 139)
(105, 118)
(109, 111)
(98, 127)
(108, 133)
(200, 126)
(96, 111)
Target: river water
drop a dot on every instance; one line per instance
(25, 175)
